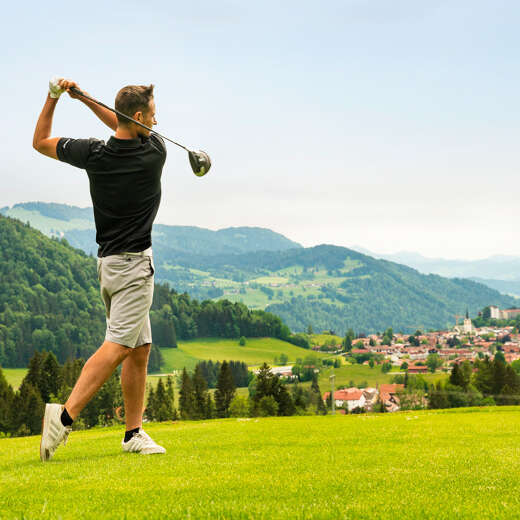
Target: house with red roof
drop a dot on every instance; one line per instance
(353, 397)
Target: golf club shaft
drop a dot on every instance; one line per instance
(78, 92)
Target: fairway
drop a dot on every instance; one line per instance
(445, 464)
(255, 352)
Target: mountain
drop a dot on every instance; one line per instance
(331, 287)
(49, 300)
(499, 272)
(327, 287)
(76, 225)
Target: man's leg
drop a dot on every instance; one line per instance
(133, 383)
(96, 371)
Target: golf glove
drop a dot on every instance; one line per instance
(55, 91)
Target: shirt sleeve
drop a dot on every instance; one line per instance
(159, 142)
(74, 151)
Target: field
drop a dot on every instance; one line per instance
(255, 352)
(462, 464)
(14, 376)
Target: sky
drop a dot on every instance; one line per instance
(390, 125)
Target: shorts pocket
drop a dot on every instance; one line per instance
(152, 266)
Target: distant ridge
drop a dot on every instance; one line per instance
(76, 225)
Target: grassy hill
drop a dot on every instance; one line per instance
(428, 464)
(255, 352)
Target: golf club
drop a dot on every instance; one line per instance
(199, 160)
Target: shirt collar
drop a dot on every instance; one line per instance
(115, 142)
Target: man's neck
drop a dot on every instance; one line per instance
(123, 132)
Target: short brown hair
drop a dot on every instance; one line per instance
(132, 99)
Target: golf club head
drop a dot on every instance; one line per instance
(200, 162)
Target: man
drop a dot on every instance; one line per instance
(125, 185)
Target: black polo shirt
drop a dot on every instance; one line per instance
(125, 185)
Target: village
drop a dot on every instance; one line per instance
(419, 353)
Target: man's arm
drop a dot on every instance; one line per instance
(42, 140)
(108, 117)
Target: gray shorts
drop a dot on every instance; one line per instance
(126, 283)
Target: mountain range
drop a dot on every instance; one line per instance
(326, 287)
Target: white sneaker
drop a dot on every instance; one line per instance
(142, 443)
(53, 432)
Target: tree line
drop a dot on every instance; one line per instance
(483, 383)
(49, 300)
(46, 381)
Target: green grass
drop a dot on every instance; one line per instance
(177, 359)
(14, 376)
(363, 373)
(410, 465)
(255, 352)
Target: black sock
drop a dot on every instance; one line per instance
(130, 433)
(66, 419)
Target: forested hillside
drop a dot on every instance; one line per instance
(49, 300)
(330, 287)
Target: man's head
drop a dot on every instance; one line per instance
(137, 102)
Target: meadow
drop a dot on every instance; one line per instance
(255, 352)
(444, 464)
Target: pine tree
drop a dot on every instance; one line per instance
(225, 390)
(186, 396)
(456, 377)
(50, 377)
(150, 405)
(263, 382)
(6, 404)
(210, 410)
(170, 398)
(162, 408)
(27, 410)
(200, 388)
(315, 389)
(285, 402)
(33, 376)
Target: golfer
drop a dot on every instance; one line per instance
(125, 185)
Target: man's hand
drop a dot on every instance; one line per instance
(67, 84)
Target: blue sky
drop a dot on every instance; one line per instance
(386, 124)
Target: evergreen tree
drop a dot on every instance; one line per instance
(484, 378)
(298, 396)
(33, 376)
(284, 401)
(27, 410)
(210, 410)
(264, 382)
(200, 388)
(150, 405)
(317, 398)
(456, 377)
(6, 404)
(225, 390)
(170, 398)
(50, 377)
(499, 376)
(162, 408)
(186, 396)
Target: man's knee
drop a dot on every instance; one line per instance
(141, 352)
